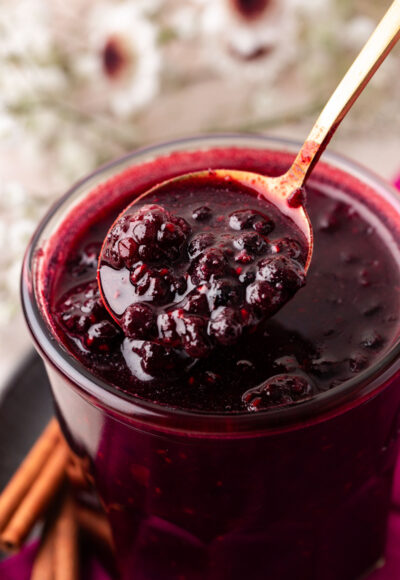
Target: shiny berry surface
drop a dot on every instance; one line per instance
(82, 313)
(278, 391)
(199, 272)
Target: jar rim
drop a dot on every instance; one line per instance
(132, 408)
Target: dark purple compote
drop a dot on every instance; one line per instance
(192, 279)
(260, 458)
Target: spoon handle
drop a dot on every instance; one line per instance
(378, 46)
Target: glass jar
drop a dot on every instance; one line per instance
(296, 492)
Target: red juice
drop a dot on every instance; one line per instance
(197, 480)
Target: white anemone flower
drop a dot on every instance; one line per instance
(122, 63)
(244, 32)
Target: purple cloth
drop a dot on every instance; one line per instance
(19, 567)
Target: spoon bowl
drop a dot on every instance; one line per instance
(276, 190)
(157, 235)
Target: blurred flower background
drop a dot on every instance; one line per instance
(84, 81)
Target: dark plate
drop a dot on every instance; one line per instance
(25, 408)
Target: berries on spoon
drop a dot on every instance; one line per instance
(192, 277)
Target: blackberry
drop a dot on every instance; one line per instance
(282, 273)
(138, 321)
(262, 296)
(202, 213)
(244, 219)
(197, 303)
(223, 293)
(83, 314)
(277, 391)
(252, 243)
(226, 325)
(210, 263)
(287, 247)
(102, 336)
(157, 359)
(194, 337)
(199, 243)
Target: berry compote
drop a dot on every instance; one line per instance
(233, 450)
(197, 276)
(192, 281)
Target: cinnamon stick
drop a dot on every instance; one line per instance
(66, 562)
(43, 566)
(28, 471)
(96, 525)
(36, 500)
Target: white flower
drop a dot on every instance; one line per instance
(6, 310)
(257, 39)
(356, 32)
(24, 29)
(13, 275)
(13, 195)
(26, 48)
(8, 124)
(148, 7)
(28, 82)
(16, 228)
(315, 8)
(122, 64)
(75, 157)
(185, 21)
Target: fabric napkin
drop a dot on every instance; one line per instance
(19, 567)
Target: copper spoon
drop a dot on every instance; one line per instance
(281, 191)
